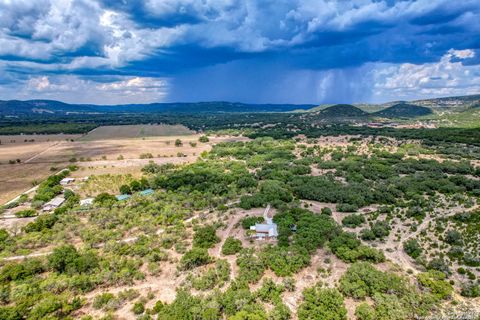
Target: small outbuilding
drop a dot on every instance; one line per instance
(123, 197)
(66, 181)
(53, 204)
(86, 202)
(146, 192)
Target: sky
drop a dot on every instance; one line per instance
(252, 51)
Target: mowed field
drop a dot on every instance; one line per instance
(136, 131)
(99, 152)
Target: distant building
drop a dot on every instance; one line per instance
(66, 181)
(268, 230)
(123, 197)
(86, 202)
(146, 192)
(53, 204)
(265, 231)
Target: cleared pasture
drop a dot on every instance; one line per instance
(136, 131)
(38, 159)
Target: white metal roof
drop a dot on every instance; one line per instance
(57, 201)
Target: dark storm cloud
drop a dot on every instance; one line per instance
(231, 49)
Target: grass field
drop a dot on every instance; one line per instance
(95, 155)
(136, 131)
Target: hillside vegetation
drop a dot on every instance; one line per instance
(403, 110)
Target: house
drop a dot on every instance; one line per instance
(265, 231)
(146, 192)
(66, 181)
(268, 230)
(123, 197)
(86, 202)
(53, 204)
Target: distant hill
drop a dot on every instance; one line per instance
(403, 110)
(342, 111)
(16, 107)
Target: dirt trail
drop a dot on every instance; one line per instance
(398, 255)
(43, 152)
(100, 245)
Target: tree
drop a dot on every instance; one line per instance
(453, 237)
(135, 185)
(363, 280)
(66, 259)
(412, 248)
(125, 189)
(327, 211)
(231, 246)
(322, 304)
(381, 229)
(247, 222)
(194, 258)
(353, 220)
(365, 312)
(105, 199)
(205, 237)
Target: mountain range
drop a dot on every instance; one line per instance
(17, 107)
(387, 110)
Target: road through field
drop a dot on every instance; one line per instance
(42, 152)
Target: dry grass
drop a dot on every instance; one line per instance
(95, 157)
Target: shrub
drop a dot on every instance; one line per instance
(66, 259)
(203, 139)
(247, 222)
(43, 222)
(178, 143)
(346, 207)
(365, 312)
(20, 271)
(353, 221)
(26, 213)
(322, 304)
(147, 155)
(194, 258)
(435, 282)
(231, 246)
(362, 280)
(105, 199)
(471, 290)
(453, 237)
(251, 267)
(438, 264)
(214, 276)
(138, 308)
(102, 300)
(412, 248)
(205, 237)
(367, 235)
(381, 229)
(125, 189)
(327, 211)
